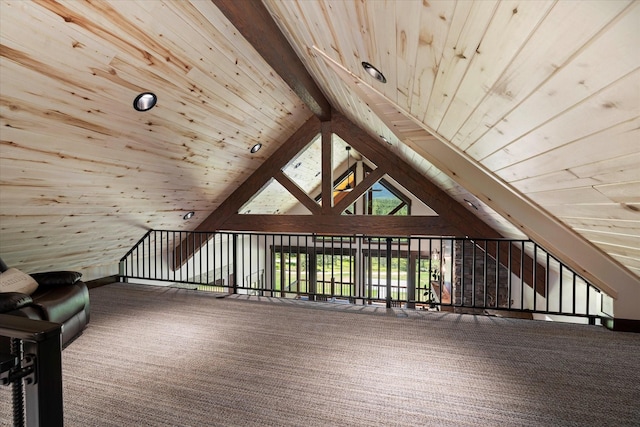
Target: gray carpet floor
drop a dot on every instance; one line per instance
(156, 356)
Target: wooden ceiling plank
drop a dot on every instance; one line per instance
(239, 76)
(408, 16)
(624, 245)
(612, 170)
(510, 28)
(465, 34)
(602, 211)
(537, 62)
(382, 28)
(581, 152)
(626, 248)
(353, 43)
(256, 25)
(624, 227)
(587, 195)
(435, 21)
(94, 50)
(559, 180)
(138, 70)
(78, 120)
(599, 71)
(113, 24)
(78, 143)
(622, 192)
(614, 105)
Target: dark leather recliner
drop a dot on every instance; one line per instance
(61, 297)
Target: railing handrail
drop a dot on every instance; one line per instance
(142, 239)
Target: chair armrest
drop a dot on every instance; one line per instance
(56, 278)
(10, 301)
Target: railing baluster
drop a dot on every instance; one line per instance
(497, 273)
(485, 272)
(522, 247)
(463, 262)
(535, 276)
(588, 307)
(509, 274)
(573, 307)
(560, 286)
(546, 285)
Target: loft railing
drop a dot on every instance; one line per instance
(490, 276)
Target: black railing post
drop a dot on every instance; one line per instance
(414, 269)
(534, 280)
(388, 299)
(463, 257)
(234, 248)
(509, 269)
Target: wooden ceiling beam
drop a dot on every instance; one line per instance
(327, 168)
(298, 193)
(254, 22)
(429, 193)
(342, 224)
(359, 190)
(457, 216)
(270, 168)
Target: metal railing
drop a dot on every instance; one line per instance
(438, 273)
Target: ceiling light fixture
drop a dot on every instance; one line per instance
(385, 139)
(145, 101)
(373, 72)
(188, 215)
(256, 148)
(470, 203)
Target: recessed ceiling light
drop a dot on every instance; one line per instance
(373, 72)
(471, 204)
(385, 139)
(145, 101)
(256, 147)
(188, 215)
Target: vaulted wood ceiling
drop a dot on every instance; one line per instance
(542, 97)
